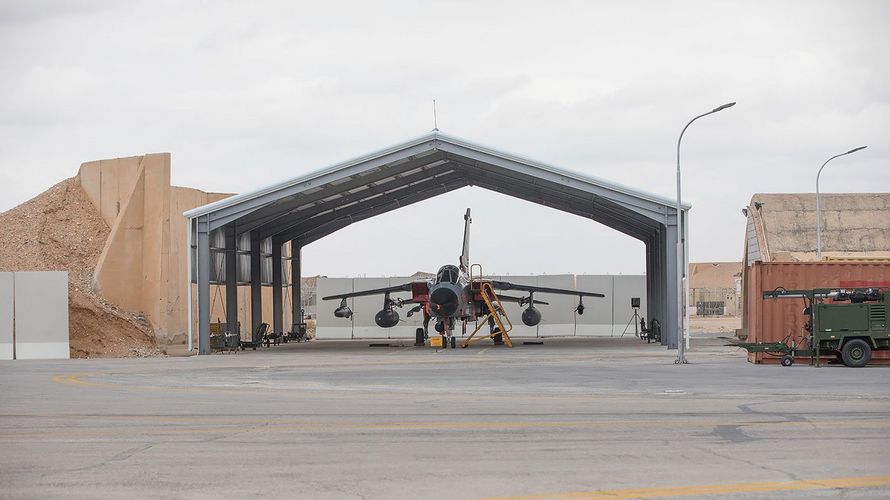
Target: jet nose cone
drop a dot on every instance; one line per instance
(444, 301)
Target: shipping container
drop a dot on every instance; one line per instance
(772, 320)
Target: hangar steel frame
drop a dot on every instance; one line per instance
(307, 208)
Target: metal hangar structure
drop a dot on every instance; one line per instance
(312, 206)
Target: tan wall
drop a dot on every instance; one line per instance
(109, 183)
(143, 264)
(175, 308)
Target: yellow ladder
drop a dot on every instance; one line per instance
(494, 312)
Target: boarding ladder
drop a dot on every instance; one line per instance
(495, 311)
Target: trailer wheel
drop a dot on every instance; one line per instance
(787, 361)
(856, 353)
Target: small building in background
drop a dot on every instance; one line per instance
(715, 289)
(782, 228)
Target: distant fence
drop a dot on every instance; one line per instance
(715, 302)
(34, 315)
(602, 316)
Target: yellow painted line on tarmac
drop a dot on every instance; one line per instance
(77, 379)
(714, 489)
(482, 351)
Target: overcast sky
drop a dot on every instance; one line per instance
(244, 94)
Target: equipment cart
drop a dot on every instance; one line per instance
(848, 323)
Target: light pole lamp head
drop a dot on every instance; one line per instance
(721, 108)
(860, 148)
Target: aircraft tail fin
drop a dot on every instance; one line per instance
(465, 254)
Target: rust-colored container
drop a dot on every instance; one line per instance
(774, 319)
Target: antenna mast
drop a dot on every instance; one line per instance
(435, 118)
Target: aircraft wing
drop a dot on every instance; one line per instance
(520, 300)
(376, 291)
(506, 285)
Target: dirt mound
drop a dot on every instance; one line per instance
(61, 230)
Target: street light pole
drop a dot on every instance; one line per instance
(818, 208)
(681, 257)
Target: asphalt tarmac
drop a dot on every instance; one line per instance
(572, 418)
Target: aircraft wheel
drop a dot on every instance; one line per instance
(856, 353)
(418, 337)
(787, 361)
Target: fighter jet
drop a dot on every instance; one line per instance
(456, 296)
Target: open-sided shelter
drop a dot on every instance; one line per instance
(304, 209)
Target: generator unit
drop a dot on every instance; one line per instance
(848, 323)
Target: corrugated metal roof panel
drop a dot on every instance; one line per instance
(433, 137)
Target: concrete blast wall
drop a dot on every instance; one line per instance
(143, 264)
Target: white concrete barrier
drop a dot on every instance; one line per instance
(597, 319)
(626, 287)
(557, 318)
(6, 315)
(328, 326)
(39, 306)
(514, 312)
(602, 316)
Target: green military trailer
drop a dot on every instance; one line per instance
(848, 323)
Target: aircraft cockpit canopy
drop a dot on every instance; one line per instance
(448, 274)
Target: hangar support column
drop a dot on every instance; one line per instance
(672, 298)
(296, 271)
(651, 286)
(256, 284)
(203, 257)
(656, 274)
(277, 309)
(231, 280)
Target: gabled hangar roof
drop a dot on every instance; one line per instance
(314, 205)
